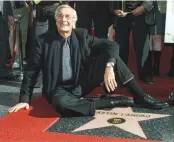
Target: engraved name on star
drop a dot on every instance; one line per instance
(130, 125)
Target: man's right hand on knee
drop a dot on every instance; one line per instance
(18, 107)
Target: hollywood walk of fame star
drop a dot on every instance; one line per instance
(131, 118)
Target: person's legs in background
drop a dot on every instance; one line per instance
(84, 14)
(171, 71)
(141, 43)
(158, 38)
(155, 51)
(122, 37)
(24, 12)
(3, 49)
(102, 19)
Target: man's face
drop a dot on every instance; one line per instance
(64, 20)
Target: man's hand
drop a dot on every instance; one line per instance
(18, 107)
(109, 79)
(138, 11)
(10, 21)
(120, 13)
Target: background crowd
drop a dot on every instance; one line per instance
(115, 20)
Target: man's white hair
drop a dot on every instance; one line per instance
(74, 14)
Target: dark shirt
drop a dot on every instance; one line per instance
(62, 40)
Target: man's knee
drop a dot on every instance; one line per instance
(60, 102)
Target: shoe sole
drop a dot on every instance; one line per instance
(151, 107)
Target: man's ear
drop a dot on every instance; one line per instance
(74, 24)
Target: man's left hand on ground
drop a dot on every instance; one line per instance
(109, 79)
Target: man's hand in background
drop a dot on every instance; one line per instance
(10, 21)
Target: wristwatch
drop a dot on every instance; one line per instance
(110, 64)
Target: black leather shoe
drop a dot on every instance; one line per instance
(171, 96)
(149, 102)
(169, 74)
(120, 101)
(147, 80)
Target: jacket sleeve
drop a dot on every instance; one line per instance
(31, 72)
(148, 5)
(105, 46)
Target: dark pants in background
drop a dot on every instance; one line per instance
(4, 42)
(96, 11)
(140, 31)
(67, 99)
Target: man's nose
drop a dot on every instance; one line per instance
(64, 18)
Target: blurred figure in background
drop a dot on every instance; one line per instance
(157, 36)
(20, 8)
(111, 33)
(96, 11)
(130, 16)
(6, 21)
(45, 13)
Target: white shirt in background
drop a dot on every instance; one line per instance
(1, 5)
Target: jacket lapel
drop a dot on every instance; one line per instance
(53, 60)
(75, 55)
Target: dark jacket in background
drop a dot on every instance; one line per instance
(116, 5)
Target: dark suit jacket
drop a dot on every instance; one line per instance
(46, 57)
(115, 5)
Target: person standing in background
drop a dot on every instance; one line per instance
(20, 8)
(45, 14)
(157, 35)
(6, 21)
(95, 13)
(133, 21)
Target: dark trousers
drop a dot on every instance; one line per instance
(98, 12)
(67, 99)
(171, 72)
(140, 32)
(4, 43)
(52, 23)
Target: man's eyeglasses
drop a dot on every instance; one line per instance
(68, 17)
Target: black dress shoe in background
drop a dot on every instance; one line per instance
(169, 74)
(147, 80)
(171, 96)
(149, 102)
(119, 101)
